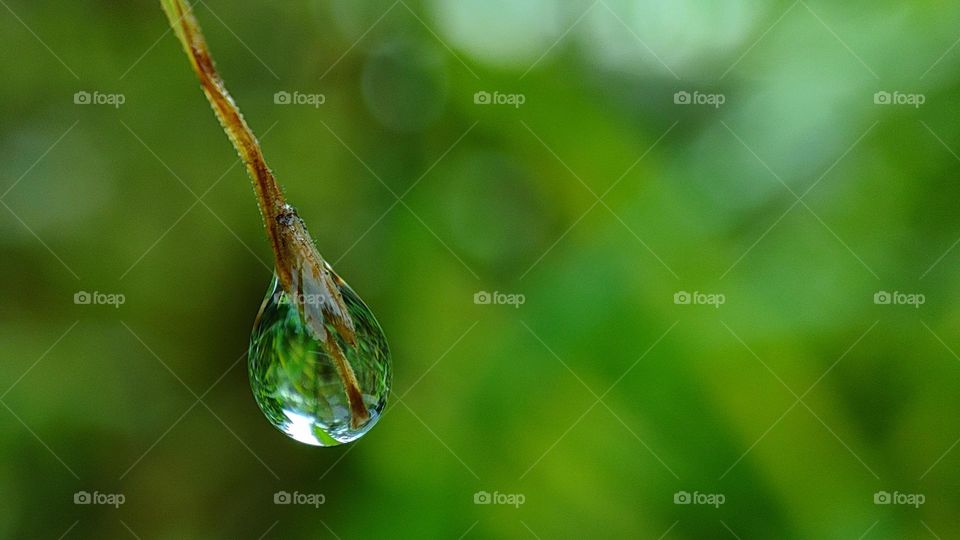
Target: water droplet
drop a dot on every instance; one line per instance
(319, 374)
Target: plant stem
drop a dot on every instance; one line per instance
(300, 268)
(184, 24)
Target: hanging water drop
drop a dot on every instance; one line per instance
(321, 390)
(318, 362)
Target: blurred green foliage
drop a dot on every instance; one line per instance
(598, 199)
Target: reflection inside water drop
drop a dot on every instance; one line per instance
(294, 376)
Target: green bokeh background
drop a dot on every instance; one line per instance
(597, 399)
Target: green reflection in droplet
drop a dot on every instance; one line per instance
(293, 373)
